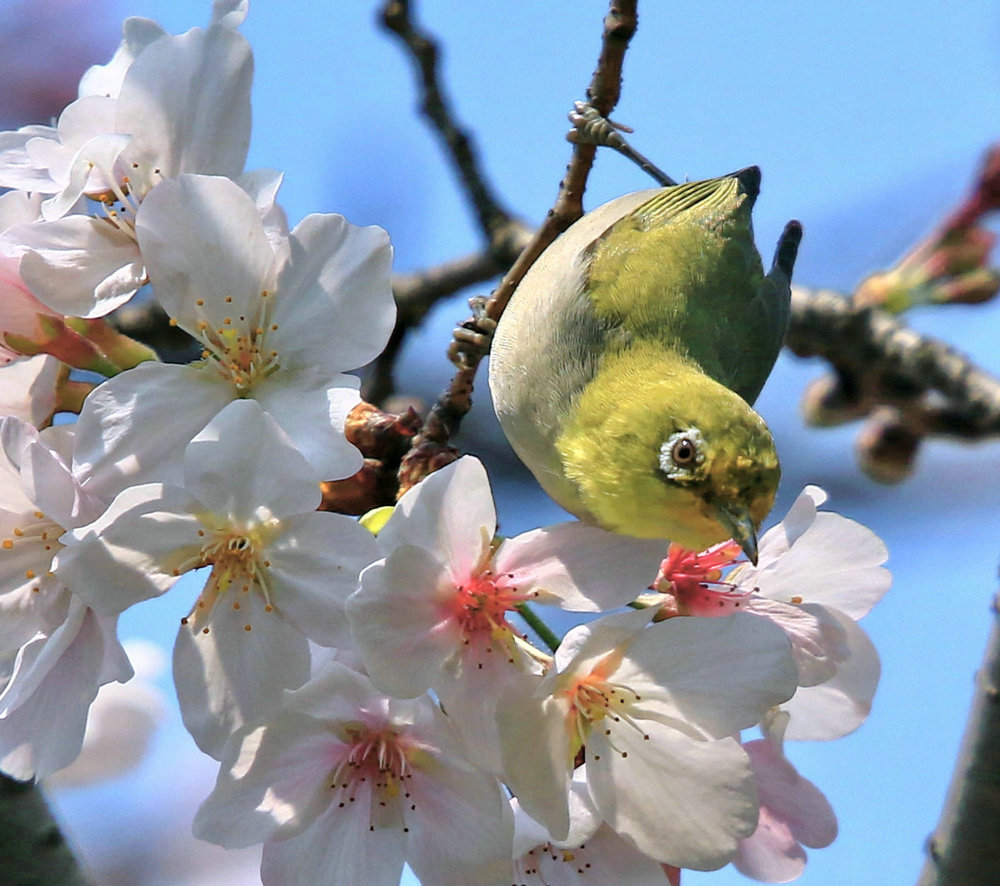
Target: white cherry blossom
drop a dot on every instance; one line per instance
(61, 650)
(183, 105)
(345, 785)
(653, 707)
(280, 320)
(280, 570)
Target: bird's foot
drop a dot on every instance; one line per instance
(590, 127)
(471, 339)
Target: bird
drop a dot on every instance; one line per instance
(624, 369)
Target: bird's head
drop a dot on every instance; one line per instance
(684, 458)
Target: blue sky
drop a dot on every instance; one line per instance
(866, 119)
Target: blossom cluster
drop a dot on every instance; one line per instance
(373, 699)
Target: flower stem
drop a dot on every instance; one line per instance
(544, 632)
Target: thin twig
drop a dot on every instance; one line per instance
(454, 403)
(496, 222)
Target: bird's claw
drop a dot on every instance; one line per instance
(590, 127)
(471, 339)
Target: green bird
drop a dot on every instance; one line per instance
(624, 368)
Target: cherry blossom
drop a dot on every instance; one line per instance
(280, 322)
(344, 784)
(793, 812)
(434, 612)
(280, 570)
(183, 105)
(64, 650)
(653, 709)
(817, 572)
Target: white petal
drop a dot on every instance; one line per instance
(721, 674)
(133, 428)
(536, 748)
(314, 566)
(402, 622)
(839, 706)
(230, 676)
(242, 464)
(50, 698)
(583, 645)
(836, 562)
(341, 846)
(28, 389)
(311, 409)
(449, 513)
(272, 782)
(580, 568)
(336, 270)
(79, 266)
(187, 100)
(18, 207)
(461, 830)
(203, 241)
(137, 34)
(682, 801)
(818, 641)
(17, 168)
(229, 13)
(134, 550)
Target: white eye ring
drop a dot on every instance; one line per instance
(682, 454)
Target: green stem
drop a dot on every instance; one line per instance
(544, 632)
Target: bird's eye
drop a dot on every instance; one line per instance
(683, 453)
(682, 456)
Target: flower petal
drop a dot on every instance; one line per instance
(841, 704)
(580, 568)
(336, 269)
(206, 251)
(449, 513)
(314, 566)
(186, 98)
(133, 428)
(401, 621)
(242, 464)
(720, 674)
(272, 782)
(228, 675)
(78, 265)
(680, 800)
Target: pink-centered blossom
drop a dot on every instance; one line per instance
(344, 785)
(817, 573)
(280, 570)
(435, 612)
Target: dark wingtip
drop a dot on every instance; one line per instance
(788, 248)
(749, 180)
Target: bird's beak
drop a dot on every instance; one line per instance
(738, 523)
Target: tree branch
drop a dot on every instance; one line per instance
(454, 403)
(496, 222)
(911, 385)
(965, 847)
(34, 849)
